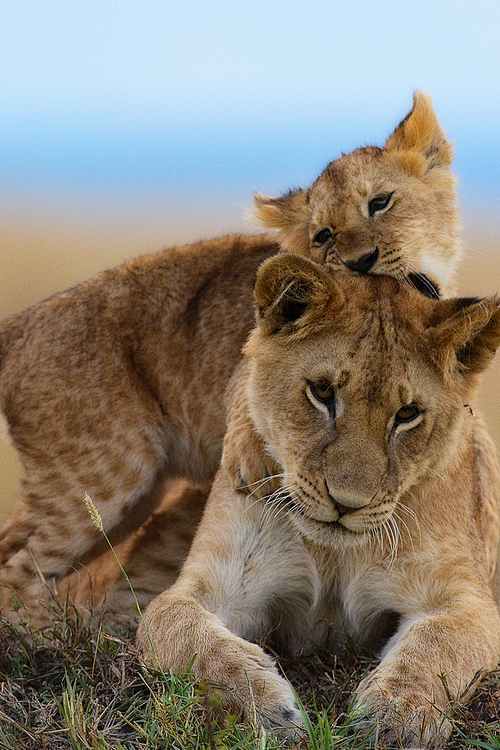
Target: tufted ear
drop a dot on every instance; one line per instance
(292, 292)
(289, 214)
(280, 213)
(421, 135)
(467, 335)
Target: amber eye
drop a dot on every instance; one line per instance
(407, 414)
(323, 392)
(321, 237)
(379, 203)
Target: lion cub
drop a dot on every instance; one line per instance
(360, 389)
(116, 387)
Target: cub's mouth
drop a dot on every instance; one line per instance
(334, 524)
(423, 284)
(354, 523)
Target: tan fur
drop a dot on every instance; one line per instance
(381, 517)
(116, 387)
(152, 558)
(418, 230)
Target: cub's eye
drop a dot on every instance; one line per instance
(322, 393)
(407, 414)
(379, 203)
(322, 236)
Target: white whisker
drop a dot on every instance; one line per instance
(276, 500)
(394, 537)
(435, 474)
(279, 501)
(389, 532)
(261, 482)
(411, 513)
(405, 525)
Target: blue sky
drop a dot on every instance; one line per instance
(226, 98)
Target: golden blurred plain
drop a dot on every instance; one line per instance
(40, 256)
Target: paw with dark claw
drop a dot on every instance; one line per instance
(397, 723)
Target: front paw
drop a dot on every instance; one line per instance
(249, 466)
(243, 675)
(247, 683)
(399, 716)
(268, 701)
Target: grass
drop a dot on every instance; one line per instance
(81, 685)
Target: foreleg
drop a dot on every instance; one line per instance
(431, 662)
(243, 573)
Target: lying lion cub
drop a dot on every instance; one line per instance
(116, 387)
(360, 389)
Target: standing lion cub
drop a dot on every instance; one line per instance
(360, 390)
(116, 387)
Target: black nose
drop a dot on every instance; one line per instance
(363, 264)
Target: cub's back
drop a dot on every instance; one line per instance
(206, 286)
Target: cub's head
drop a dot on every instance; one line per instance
(360, 388)
(390, 210)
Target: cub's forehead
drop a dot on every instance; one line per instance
(380, 318)
(369, 354)
(358, 173)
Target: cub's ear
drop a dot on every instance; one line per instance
(468, 336)
(421, 133)
(290, 215)
(280, 213)
(292, 293)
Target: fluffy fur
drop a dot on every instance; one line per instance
(116, 388)
(396, 550)
(396, 204)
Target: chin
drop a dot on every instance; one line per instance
(350, 531)
(329, 533)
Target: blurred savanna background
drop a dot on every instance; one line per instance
(127, 127)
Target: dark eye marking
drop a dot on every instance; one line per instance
(379, 203)
(323, 392)
(322, 236)
(407, 414)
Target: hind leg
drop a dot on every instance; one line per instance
(151, 557)
(52, 529)
(156, 559)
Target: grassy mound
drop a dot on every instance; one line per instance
(81, 684)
